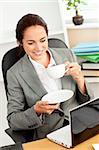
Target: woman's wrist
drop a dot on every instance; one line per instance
(81, 85)
(38, 113)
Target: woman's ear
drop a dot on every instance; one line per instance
(19, 43)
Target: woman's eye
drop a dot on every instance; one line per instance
(43, 40)
(30, 43)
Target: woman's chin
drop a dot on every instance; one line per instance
(36, 57)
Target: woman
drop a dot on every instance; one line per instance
(28, 82)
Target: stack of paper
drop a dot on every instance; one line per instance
(88, 51)
(88, 58)
(90, 65)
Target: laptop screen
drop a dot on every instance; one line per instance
(85, 121)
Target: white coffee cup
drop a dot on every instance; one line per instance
(56, 71)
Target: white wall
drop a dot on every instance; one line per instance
(79, 35)
(11, 11)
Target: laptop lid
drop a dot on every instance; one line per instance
(84, 121)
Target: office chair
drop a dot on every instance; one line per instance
(9, 59)
(56, 43)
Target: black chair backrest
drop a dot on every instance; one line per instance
(56, 43)
(9, 59)
(13, 55)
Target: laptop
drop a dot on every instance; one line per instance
(83, 124)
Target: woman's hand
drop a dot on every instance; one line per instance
(43, 107)
(74, 69)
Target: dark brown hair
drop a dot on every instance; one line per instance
(27, 21)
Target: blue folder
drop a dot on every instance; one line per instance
(88, 51)
(85, 50)
(87, 54)
(87, 45)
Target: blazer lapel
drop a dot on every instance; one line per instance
(30, 76)
(58, 55)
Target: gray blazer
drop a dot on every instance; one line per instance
(25, 89)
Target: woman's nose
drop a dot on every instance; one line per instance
(38, 46)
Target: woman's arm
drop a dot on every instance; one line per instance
(74, 70)
(20, 117)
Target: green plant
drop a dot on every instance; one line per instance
(74, 4)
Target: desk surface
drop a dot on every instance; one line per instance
(45, 144)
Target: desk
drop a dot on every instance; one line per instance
(45, 144)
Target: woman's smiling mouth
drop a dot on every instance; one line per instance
(38, 53)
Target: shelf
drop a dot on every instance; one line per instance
(83, 26)
(92, 79)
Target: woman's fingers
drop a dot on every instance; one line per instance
(73, 69)
(44, 107)
(52, 107)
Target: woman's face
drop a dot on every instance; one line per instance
(35, 42)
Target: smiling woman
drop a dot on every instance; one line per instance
(28, 81)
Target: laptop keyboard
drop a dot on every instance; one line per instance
(61, 136)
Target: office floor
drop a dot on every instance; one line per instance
(4, 138)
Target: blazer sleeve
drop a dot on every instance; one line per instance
(19, 117)
(81, 98)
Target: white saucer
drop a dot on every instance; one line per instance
(58, 96)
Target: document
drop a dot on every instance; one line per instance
(95, 146)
